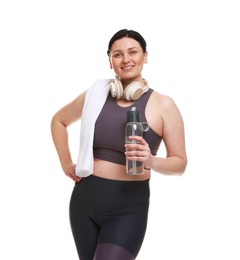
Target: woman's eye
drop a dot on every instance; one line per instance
(133, 52)
(117, 55)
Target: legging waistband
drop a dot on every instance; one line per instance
(103, 190)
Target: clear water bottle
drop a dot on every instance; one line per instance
(133, 128)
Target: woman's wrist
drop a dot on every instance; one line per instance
(149, 163)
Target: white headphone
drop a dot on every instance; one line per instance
(132, 92)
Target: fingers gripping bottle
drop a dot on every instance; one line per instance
(133, 128)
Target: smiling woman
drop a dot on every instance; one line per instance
(127, 54)
(109, 207)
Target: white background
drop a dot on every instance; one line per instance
(50, 51)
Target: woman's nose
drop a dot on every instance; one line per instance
(126, 58)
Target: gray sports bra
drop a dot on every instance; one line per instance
(109, 136)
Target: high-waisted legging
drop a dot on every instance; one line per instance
(109, 218)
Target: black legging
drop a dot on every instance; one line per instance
(109, 218)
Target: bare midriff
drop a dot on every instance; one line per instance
(113, 171)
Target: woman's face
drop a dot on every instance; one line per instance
(127, 59)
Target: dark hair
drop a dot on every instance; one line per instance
(130, 34)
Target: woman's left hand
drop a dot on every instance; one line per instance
(139, 151)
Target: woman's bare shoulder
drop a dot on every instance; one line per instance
(162, 101)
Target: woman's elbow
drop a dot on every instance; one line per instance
(183, 166)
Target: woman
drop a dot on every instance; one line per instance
(109, 207)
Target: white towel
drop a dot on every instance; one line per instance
(94, 101)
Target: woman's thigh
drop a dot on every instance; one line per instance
(85, 231)
(125, 227)
(107, 251)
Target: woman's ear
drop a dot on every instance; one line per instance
(146, 57)
(110, 63)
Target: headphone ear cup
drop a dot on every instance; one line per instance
(116, 89)
(133, 91)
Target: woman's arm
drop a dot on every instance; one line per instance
(174, 139)
(166, 119)
(60, 121)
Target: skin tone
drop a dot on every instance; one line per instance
(163, 116)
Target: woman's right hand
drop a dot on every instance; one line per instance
(70, 171)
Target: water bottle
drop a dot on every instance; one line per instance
(133, 128)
